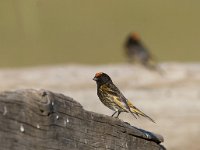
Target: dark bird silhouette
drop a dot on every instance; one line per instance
(111, 97)
(136, 51)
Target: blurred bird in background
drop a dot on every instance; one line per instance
(111, 97)
(136, 51)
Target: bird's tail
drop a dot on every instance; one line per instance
(136, 111)
(153, 65)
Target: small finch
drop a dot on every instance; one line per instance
(111, 97)
(135, 50)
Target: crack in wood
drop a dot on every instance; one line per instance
(74, 128)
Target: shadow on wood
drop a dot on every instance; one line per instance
(40, 120)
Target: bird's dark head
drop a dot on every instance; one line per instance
(101, 78)
(132, 40)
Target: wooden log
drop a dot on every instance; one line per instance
(41, 120)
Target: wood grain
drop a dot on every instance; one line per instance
(41, 120)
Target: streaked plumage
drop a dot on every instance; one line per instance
(111, 97)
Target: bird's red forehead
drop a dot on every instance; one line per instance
(135, 35)
(98, 74)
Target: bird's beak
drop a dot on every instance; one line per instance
(95, 79)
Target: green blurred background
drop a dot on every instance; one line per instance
(40, 32)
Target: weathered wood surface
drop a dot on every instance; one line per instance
(40, 120)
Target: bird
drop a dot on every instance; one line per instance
(136, 51)
(112, 97)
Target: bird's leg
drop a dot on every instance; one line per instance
(118, 112)
(114, 113)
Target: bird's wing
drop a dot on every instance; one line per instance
(119, 99)
(115, 95)
(126, 104)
